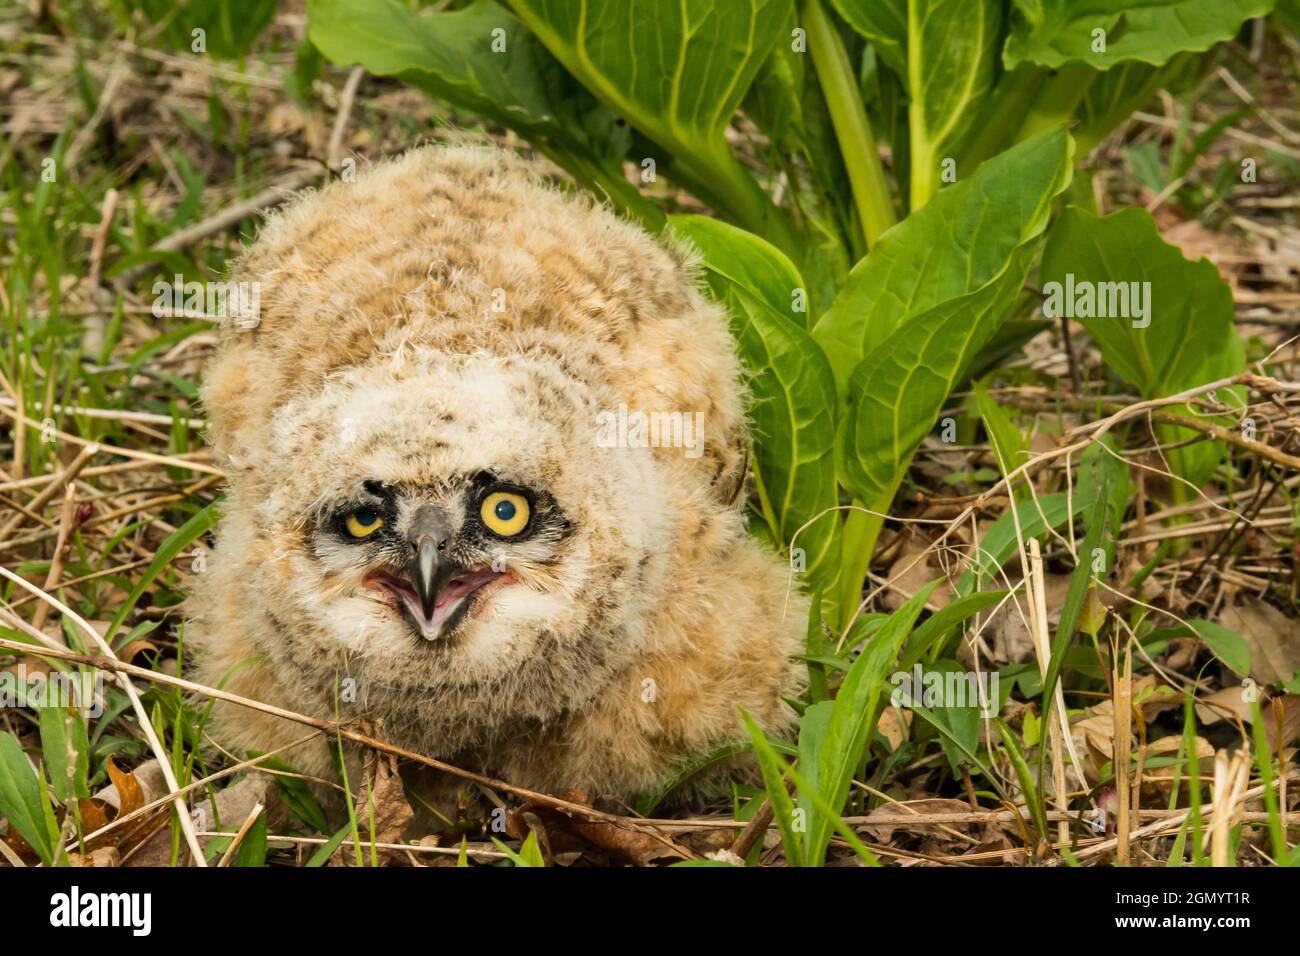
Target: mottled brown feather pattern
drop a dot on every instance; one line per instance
(379, 354)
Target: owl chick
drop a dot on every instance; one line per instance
(427, 520)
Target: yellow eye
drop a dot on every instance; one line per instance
(363, 523)
(504, 513)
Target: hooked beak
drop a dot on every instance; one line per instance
(428, 570)
(437, 591)
(428, 573)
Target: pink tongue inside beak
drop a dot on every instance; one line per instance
(459, 588)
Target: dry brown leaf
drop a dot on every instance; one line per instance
(1273, 639)
(106, 856)
(1221, 247)
(884, 832)
(1094, 729)
(906, 581)
(625, 844)
(392, 811)
(127, 796)
(127, 653)
(1161, 779)
(895, 725)
(93, 813)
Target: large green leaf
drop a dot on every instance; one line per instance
(1178, 328)
(959, 243)
(896, 393)
(884, 24)
(793, 389)
(952, 48)
(1051, 33)
(676, 72)
(481, 58)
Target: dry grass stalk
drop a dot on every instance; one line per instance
(1122, 737)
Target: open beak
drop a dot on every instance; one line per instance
(429, 569)
(428, 574)
(434, 590)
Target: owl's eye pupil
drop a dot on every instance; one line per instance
(365, 517)
(505, 510)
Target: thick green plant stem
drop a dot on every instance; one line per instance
(860, 533)
(1008, 102)
(849, 120)
(1057, 99)
(861, 529)
(724, 183)
(624, 197)
(1082, 190)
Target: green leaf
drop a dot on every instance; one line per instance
(1226, 645)
(295, 793)
(1024, 777)
(451, 55)
(321, 856)
(1113, 95)
(229, 26)
(793, 390)
(1051, 33)
(252, 849)
(896, 393)
(1099, 472)
(884, 24)
(783, 809)
(66, 751)
(648, 802)
(1000, 542)
(933, 292)
(677, 72)
(529, 855)
(814, 647)
(959, 725)
(1010, 447)
(934, 631)
(775, 99)
(833, 735)
(952, 48)
(21, 800)
(961, 242)
(197, 526)
(1164, 324)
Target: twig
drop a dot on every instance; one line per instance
(1170, 823)
(172, 460)
(53, 488)
(335, 153)
(1122, 717)
(231, 850)
(66, 516)
(224, 219)
(122, 668)
(471, 852)
(124, 681)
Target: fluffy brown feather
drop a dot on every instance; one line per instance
(447, 314)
